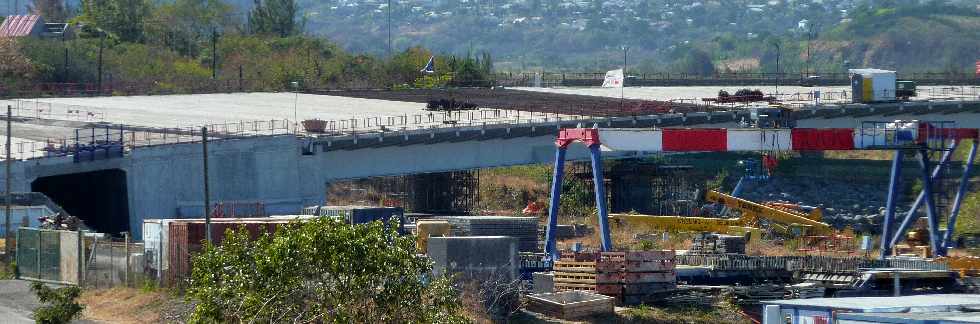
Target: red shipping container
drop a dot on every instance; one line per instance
(186, 239)
(809, 139)
(688, 140)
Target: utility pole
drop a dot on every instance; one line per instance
(389, 28)
(622, 88)
(101, 45)
(214, 54)
(65, 70)
(777, 69)
(8, 251)
(207, 193)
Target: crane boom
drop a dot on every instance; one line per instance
(687, 224)
(755, 210)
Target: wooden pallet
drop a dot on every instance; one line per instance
(563, 286)
(635, 266)
(634, 289)
(575, 277)
(574, 266)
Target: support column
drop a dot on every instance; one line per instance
(911, 215)
(960, 193)
(551, 247)
(600, 196)
(886, 230)
(931, 214)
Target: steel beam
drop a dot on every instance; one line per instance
(958, 201)
(551, 247)
(911, 215)
(931, 214)
(600, 196)
(886, 230)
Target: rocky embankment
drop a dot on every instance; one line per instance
(860, 206)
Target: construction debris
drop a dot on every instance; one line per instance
(718, 244)
(570, 304)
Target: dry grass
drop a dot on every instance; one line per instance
(739, 64)
(879, 155)
(124, 305)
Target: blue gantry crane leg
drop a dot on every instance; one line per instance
(932, 215)
(600, 196)
(556, 181)
(591, 138)
(898, 235)
(886, 230)
(964, 185)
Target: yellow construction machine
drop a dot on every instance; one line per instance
(788, 220)
(784, 219)
(733, 226)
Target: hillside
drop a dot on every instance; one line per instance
(588, 36)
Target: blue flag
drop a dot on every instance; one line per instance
(430, 67)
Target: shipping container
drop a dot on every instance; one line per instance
(360, 214)
(186, 237)
(873, 85)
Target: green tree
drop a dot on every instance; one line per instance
(695, 61)
(122, 19)
(51, 10)
(275, 17)
(322, 270)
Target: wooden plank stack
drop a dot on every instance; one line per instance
(632, 277)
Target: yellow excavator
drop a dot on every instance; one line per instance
(786, 220)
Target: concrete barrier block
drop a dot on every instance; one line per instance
(475, 257)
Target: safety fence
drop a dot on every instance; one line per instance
(113, 262)
(831, 264)
(49, 255)
(563, 78)
(78, 258)
(37, 109)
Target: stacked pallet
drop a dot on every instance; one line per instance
(632, 277)
(525, 229)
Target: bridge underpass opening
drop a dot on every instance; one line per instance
(633, 185)
(98, 198)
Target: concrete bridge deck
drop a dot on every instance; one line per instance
(286, 172)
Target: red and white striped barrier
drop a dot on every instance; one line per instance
(752, 139)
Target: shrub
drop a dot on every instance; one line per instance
(323, 271)
(61, 305)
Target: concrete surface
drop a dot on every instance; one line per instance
(479, 257)
(198, 109)
(16, 302)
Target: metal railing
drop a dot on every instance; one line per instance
(36, 109)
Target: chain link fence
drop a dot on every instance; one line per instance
(78, 258)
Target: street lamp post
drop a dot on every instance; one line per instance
(622, 89)
(295, 86)
(777, 68)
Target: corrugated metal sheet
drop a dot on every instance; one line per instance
(20, 26)
(186, 238)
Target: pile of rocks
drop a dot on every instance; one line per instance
(860, 206)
